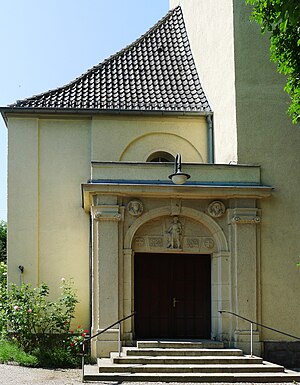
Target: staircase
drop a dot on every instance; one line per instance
(186, 361)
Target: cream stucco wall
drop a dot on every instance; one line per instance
(49, 158)
(210, 30)
(48, 230)
(266, 136)
(134, 138)
(23, 197)
(251, 125)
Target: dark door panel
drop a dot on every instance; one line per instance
(172, 296)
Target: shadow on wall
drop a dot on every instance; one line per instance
(286, 353)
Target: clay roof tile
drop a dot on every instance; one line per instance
(156, 72)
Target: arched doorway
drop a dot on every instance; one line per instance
(200, 265)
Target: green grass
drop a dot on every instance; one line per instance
(47, 357)
(10, 352)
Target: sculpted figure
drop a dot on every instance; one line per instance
(175, 234)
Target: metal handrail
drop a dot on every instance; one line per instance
(258, 324)
(87, 339)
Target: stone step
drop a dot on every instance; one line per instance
(180, 344)
(155, 352)
(186, 361)
(105, 366)
(92, 374)
(207, 360)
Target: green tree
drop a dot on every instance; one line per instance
(3, 237)
(282, 19)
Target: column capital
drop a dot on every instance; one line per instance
(127, 252)
(106, 213)
(244, 216)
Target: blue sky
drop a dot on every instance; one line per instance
(46, 44)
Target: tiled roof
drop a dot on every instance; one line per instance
(155, 73)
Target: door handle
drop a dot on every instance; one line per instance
(175, 301)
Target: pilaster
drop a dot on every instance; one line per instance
(105, 218)
(221, 298)
(243, 223)
(128, 293)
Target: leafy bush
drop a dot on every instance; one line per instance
(77, 338)
(33, 319)
(58, 356)
(3, 297)
(3, 240)
(36, 329)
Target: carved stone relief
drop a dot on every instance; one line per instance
(209, 243)
(174, 233)
(175, 207)
(139, 242)
(135, 207)
(216, 209)
(155, 242)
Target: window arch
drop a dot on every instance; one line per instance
(160, 156)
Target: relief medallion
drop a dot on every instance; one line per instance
(135, 207)
(216, 209)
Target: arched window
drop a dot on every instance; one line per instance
(161, 156)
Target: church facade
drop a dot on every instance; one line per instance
(96, 201)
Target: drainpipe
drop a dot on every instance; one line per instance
(210, 135)
(90, 272)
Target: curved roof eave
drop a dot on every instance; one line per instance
(155, 73)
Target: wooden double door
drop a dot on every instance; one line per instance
(172, 296)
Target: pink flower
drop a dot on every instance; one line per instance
(16, 307)
(29, 311)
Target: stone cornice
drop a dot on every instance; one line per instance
(167, 191)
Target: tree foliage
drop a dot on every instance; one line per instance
(282, 19)
(3, 237)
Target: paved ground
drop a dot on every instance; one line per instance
(17, 375)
